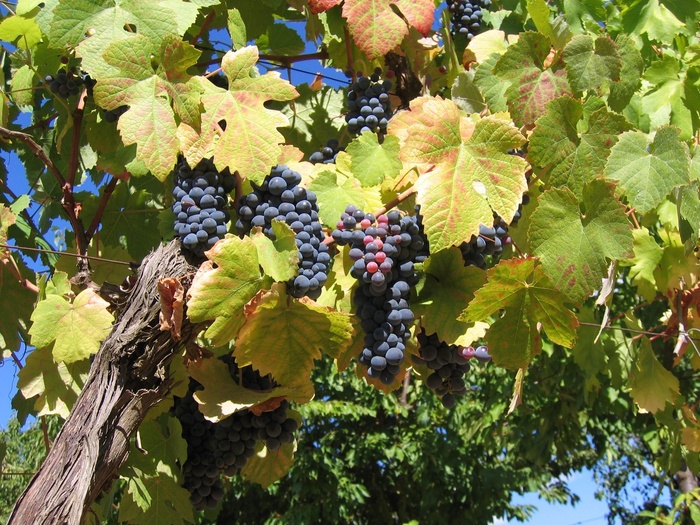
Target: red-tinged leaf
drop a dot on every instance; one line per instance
(574, 246)
(377, 29)
(520, 288)
(532, 82)
(171, 305)
(219, 294)
(572, 158)
(250, 142)
(150, 122)
(283, 337)
(321, 6)
(472, 174)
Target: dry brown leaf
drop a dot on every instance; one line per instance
(172, 296)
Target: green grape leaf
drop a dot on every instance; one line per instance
(22, 32)
(630, 75)
(76, 329)
(57, 385)
(267, 466)
(647, 256)
(155, 499)
(572, 158)
(281, 40)
(651, 385)
(521, 288)
(377, 29)
(283, 337)
(219, 294)
(16, 300)
(532, 83)
(466, 94)
(646, 173)
(334, 192)
(662, 100)
(654, 19)
(592, 64)
(278, 258)
(577, 11)
(236, 28)
(162, 439)
(250, 142)
(574, 246)
(539, 12)
(314, 117)
(492, 88)
(689, 212)
(372, 162)
(130, 79)
(222, 396)
(675, 266)
(588, 353)
(447, 290)
(473, 175)
(23, 87)
(105, 22)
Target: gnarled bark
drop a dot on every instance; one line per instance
(128, 376)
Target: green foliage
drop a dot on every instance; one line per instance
(591, 108)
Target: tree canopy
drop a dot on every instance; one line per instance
(465, 271)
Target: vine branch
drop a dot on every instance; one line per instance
(69, 254)
(97, 218)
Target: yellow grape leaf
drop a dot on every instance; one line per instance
(236, 127)
(282, 336)
(57, 385)
(76, 329)
(219, 293)
(222, 395)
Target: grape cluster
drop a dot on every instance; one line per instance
(449, 365)
(383, 251)
(64, 83)
(491, 239)
(200, 204)
(225, 446)
(281, 198)
(205, 460)
(327, 154)
(369, 108)
(466, 16)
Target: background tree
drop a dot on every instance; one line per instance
(512, 170)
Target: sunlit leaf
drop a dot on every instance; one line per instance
(219, 294)
(76, 328)
(575, 246)
(283, 337)
(470, 174)
(520, 288)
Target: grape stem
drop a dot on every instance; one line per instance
(395, 202)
